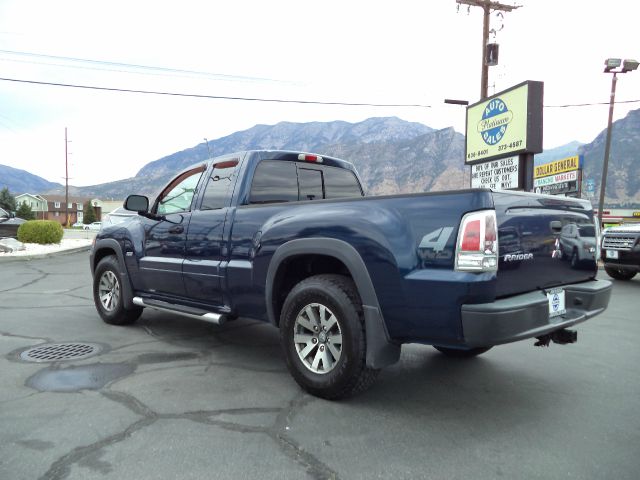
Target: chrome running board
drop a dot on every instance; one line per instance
(190, 312)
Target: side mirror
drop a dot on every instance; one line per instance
(555, 226)
(136, 203)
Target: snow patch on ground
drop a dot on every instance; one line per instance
(37, 249)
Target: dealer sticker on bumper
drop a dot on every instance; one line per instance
(556, 302)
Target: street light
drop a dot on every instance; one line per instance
(611, 64)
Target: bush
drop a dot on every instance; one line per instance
(24, 211)
(40, 231)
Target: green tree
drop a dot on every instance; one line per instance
(24, 211)
(89, 215)
(7, 201)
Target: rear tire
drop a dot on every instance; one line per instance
(461, 352)
(323, 336)
(107, 294)
(620, 273)
(575, 261)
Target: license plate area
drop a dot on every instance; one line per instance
(611, 254)
(556, 302)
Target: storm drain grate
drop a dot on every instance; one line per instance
(53, 352)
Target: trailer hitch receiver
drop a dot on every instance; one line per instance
(561, 337)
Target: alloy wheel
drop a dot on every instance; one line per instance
(317, 338)
(109, 291)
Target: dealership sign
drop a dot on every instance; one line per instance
(505, 124)
(503, 174)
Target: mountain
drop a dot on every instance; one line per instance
(564, 151)
(20, 181)
(429, 162)
(623, 177)
(385, 133)
(306, 137)
(392, 156)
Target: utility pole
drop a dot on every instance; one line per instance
(487, 6)
(66, 178)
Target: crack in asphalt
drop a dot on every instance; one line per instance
(134, 344)
(12, 335)
(315, 468)
(89, 455)
(19, 399)
(61, 468)
(79, 297)
(40, 307)
(19, 287)
(244, 367)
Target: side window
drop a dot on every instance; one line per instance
(220, 186)
(274, 181)
(178, 195)
(310, 184)
(340, 183)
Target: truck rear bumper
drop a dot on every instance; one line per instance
(527, 315)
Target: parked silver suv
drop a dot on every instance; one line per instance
(578, 243)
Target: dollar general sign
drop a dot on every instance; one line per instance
(558, 166)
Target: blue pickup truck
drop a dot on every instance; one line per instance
(290, 238)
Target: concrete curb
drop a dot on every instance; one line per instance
(17, 258)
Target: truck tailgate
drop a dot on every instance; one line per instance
(532, 254)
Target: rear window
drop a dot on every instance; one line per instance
(310, 182)
(340, 183)
(282, 181)
(274, 182)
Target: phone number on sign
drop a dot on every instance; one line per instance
(478, 154)
(510, 146)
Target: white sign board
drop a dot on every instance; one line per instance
(500, 174)
(570, 176)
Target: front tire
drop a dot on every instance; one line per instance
(107, 294)
(323, 336)
(461, 352)
(619, 273)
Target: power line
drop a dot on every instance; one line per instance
(589, 104)
(273, 100)
(119, 66)
(215, 97)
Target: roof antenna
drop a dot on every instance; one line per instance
(208, 150)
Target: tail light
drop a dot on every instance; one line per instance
(306, 157)
(477, 247)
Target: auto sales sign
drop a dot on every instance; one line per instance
(505, 124)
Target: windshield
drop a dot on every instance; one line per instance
(587, 230)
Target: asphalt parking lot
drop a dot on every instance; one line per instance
(177, 398)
